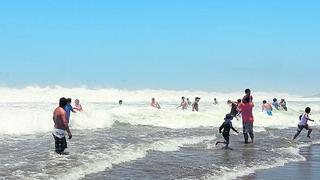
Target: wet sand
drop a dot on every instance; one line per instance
(309, 169)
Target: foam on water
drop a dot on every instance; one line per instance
(117, 155)
(289, 154)
(29, 110)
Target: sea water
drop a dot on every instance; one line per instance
(135, 141)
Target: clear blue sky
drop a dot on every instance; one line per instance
(170, 44)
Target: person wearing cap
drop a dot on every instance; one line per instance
(195, 104)
(226, 126)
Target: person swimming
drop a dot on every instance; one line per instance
(215, 101)
(183, 104)
(283, 104)
(77, 105)
(226, 126)
(275, 103)
(188, 101)
(195, 104)
(303, 123)
(155, 104)
(120, 102)
(267, 107)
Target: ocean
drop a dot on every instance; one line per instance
(136, 141)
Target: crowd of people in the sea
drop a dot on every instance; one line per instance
(240, 109)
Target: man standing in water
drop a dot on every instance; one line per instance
(247, 118)
(183, 104)
(60, 126)
(195, 104)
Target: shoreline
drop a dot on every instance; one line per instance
(308, 169)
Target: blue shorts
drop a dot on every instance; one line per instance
(269, 112)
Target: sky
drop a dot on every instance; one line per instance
(211, 45)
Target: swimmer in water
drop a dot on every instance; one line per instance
(120, 102)
(77, 105)
(215, 102)
(303, 123)
(283, 104)
(188, 101)
(155, 104)
(275, 103)
(195, 104)
(267, 107)
(183, 104)
(226, 126)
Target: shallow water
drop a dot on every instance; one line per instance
(140, 152)
(137, 142)
(308, 169)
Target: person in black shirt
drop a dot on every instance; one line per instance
(226, 126)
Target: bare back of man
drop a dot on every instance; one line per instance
(60, 126)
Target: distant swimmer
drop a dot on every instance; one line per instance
(283, 104)
(155, 104)
(303, 123)
(188, 101)
(195, 104)
(77, 105)
(248, 94)
(183, 104)
(226, 126)
(234, 108)
(215, 101)
(120, 102)
(247, 118)
(275, 103)
(69, 109)
(60, 126)
(266, 107)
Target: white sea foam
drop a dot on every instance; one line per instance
(289, 154)
(29, 110)
(118, 155)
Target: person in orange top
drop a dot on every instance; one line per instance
(246, 108)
